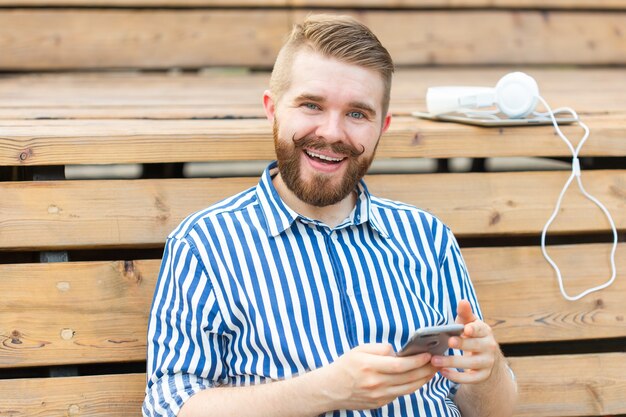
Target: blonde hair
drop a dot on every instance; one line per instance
(339, 37)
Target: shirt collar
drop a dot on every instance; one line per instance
(280, 217)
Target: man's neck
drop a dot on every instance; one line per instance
(332, 215)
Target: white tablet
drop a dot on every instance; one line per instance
(492, 122)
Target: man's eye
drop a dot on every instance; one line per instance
(356, 115)
(311, 106)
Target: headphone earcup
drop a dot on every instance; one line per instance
(516, 95)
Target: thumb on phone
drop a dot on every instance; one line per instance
(464, 313)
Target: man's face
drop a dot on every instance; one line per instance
(326, 127)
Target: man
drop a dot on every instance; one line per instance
(291, 298)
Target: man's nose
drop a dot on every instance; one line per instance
(332, 128)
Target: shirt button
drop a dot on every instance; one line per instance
(350, 292)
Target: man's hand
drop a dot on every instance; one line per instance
(370, 376)
(480, 350)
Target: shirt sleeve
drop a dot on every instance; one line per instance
(185, 348)
(459, 286)
(456, 277)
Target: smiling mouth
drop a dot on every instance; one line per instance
(323, 158)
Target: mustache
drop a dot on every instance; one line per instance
(313, 142)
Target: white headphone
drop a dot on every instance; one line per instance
(515, 95)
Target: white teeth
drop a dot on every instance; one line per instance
(324, 157)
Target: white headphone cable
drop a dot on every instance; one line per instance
(576, 173)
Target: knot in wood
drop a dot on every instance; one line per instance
(25, 154)
(15, 337)
(67, 334)
(73, 410)
(131, 272)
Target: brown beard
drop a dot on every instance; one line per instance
(320, 191)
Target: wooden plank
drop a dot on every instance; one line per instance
(63, 142)
(151, 3)
(66, 39)
(113, 95)
(498, 37)
(565, 4)
(571, 385)
(70, 39)
(550, 386)
(520, 298)
(126, 213)
(54, 321)
(588, 91)
(237, 94)
(99, 395)
(490, 204)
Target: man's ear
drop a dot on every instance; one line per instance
(386, 122)
(269, 105)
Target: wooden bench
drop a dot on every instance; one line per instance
(79, 252)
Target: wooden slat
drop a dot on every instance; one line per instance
(133, 95)
(100, 395)
(491, 204)
(588, 91)
(64, 39)
(550, 386)
(520, 297)
(54, 321)
(566, 4)
(236, 94)
(498, 37)
(70, 39)
(82, 214)
(62, 142)
(153, 3)
(571, 385)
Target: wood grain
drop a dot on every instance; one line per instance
(497, 37)
(63, 142)
(54, 321)
(571, 385)
(520, 297)
(39, 39)
(237, 93)
(99, 395)
(566, 4)
(550, 386)
(126, 213)
(64, 39)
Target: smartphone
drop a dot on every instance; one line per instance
(431, 339)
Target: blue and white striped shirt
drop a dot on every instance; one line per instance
(250, 291)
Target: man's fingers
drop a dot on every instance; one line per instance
(397, 365)
(469, 344)
(411, 386)
(382, 349)
(426, 371)
(464, 313)
(465, 377)
(473, 362)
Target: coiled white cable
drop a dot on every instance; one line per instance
(576, 173)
